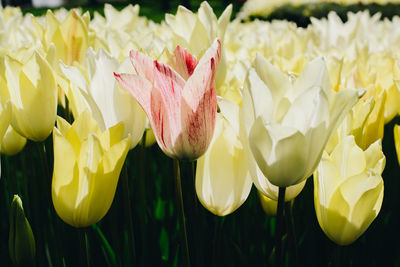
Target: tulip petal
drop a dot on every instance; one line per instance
(261, 96)
(167, 92)
(143, 64)
(222, 179)
(104, 186)
(339, 106)
(183, 62)
(274, 146)
(198, 109)
(138, 87)
(223, 22)
(161, 123)
(375, 159)
(349, 157)
(230, 111)
(315, 74)
(308, 111)
(65, 177)
(277, 82)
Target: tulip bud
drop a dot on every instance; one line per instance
(21, 239)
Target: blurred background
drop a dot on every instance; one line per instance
(148, 8)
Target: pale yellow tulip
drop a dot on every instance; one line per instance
(291, 121)
(12, 142)
(32, 90)
(348, 190)
(222, 178)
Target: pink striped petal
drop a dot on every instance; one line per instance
(203, 76)
(138, 87)
(143, 64)
(161, 123)
(198, 125)
(169, 85)
(183, 62)
(214, 51)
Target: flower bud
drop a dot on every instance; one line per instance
(21, 240)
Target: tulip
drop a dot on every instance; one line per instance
(69, 36)
(32, 91)
(180, 103)
(292, 121)
(12, 142)
(87, 165)
(21, 240)
(98, 91)
(348, 190)
(223, 181)
(196, 32)
(235, 114)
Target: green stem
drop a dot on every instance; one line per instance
(109, 252)
(197, 258)
(279, 228)
(291, 233)
(128, 209)
(84, 247)
(142, 203)
(181, 214)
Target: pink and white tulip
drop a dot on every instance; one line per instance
(179, 99)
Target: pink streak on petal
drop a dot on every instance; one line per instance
(160, 122)
(183, 62)
(143, 64)
(199, 107)
(168, 85)
(138, 87)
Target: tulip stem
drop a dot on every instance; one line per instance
(128, 209)
(292, 233)
(279, 228)
(84, 247)
(142, 203)
(181, 214)
(195, 219)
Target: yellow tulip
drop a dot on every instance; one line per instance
(348, 190)
(32, 91)
(87, 164)
(12, 142)
(70, 36)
